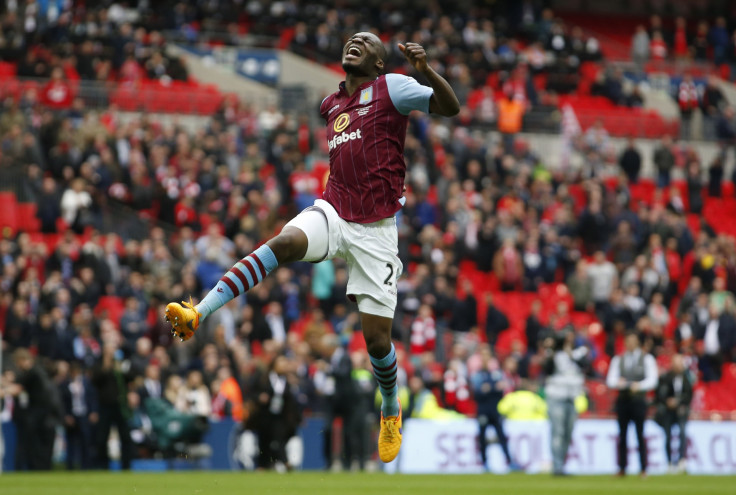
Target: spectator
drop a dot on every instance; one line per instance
(109, 379)
(695, 185)
(75, 206)
(634, 303)
(194, 397)
(623, 245)
(423, 332)
(596, 137)
(337, 386)
(227, 397)
(488, 389)
(57, 93)
(658, 47)
(688, 100)
(725, 132)
(523, 405)
(680, 45)
(464, 311)
(718, 337)
(151, 387)
(534, 330)
(640, 47)
(633, 374)
(674, 394)
(604, 279)
(699, 43)
(132, 324)
(423, 403)
(276, 414)
(564, 384)
(36, 415)
(657, 311)
(510, 115)
(630, 161)
(496, 320)
(664, 161)
(507, 265)
(718, 38)
(593, 224)
(580, 285)
(79, 399)
(715, 175)
(711, 105)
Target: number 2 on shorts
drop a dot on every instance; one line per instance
(390, 275)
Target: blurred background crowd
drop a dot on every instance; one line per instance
(134, 211)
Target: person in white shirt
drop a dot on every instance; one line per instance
(75, 200)
(603, 277)
(633, 374)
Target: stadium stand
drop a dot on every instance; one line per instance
(104, 219)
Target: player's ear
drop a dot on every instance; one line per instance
(380, 66)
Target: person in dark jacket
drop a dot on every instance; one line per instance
(275, 414)
(664, 161)
(79, 399)
(674, 394)
(535, 330)
(464, 311)
(110, 382)
(496, 320)
(718, 337)
(336, 384)
(630, 161)
(488, 387)
(36, 414)
(725, 132)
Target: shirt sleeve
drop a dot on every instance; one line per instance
(614, 373)
(651, 375)
(321, 112)
(407, 94)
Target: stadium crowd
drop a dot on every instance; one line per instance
(82, 316)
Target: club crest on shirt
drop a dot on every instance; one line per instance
(363, 110)
(366, 96)
(341, 122)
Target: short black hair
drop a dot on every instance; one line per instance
(382, 52)
(383, 55)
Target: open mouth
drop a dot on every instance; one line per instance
(353, 52)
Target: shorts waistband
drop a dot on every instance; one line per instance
(380, 223)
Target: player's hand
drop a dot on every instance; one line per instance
(416, 55)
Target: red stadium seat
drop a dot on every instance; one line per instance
(8, 207)
(26, 217)
(111, 306)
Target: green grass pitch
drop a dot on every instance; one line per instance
(223, 483)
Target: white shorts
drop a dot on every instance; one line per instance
(371, 251)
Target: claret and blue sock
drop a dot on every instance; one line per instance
(385, 370)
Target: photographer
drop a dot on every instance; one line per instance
(564, 367)
(633, 374)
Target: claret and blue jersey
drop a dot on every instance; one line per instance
(365, 138)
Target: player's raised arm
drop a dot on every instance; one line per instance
(444, 101)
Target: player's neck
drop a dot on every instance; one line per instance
(352, 83)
